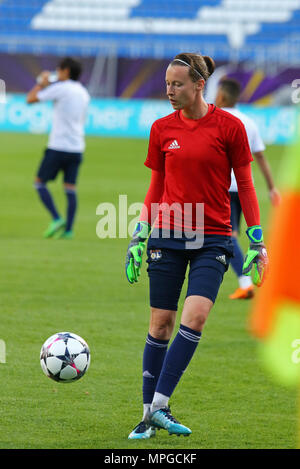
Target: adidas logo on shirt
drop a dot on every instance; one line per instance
(173, 145)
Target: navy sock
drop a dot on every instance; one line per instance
(46, 199)
(153, 358)
(71, 208)
(238, 260)
(177, 359)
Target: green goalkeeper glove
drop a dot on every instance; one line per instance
(135, 251)
(256, 259)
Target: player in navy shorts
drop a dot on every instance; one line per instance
(227, 97)
(66, 141)
(55, 161)
(186, 220)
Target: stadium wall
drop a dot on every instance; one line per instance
(134, 117)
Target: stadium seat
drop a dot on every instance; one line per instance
(135, 27)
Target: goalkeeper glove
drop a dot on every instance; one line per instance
(256, 259)
(135, 251)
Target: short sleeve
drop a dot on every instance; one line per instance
(50, 93)
(155, 157)
(238, 149)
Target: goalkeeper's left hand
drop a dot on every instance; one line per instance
(256, 260)
(135, 251)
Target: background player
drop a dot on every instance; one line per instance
(66, 141)
(227, 97)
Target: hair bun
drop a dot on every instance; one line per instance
(210, 64)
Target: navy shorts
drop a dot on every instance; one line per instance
(167, 269)
(55, 161)
(236, 210)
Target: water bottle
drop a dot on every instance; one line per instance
(52, 78)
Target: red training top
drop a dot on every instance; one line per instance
(191, 162)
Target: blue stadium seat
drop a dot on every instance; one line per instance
(226, 28)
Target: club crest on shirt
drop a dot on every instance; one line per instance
(155, 254)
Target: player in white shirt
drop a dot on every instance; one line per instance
(66, 142)
(227, 97)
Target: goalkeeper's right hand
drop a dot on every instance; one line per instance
(135, 251)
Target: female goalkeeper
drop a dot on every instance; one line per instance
(191, 153)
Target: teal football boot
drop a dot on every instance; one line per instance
(163, 418)
(142, 431)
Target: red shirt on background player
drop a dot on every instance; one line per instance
(191, 154)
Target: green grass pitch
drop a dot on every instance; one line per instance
(48, 286)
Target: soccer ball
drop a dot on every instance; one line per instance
(65, 357)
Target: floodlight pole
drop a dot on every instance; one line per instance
(104, 75)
